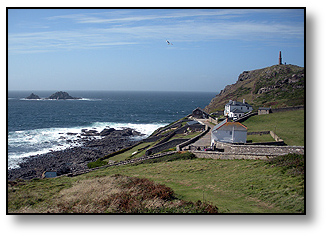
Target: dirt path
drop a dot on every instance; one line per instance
(205, 141)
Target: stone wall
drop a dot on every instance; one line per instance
(250, 152)
(287, 109)
(259, 133)
(266, 149)
(119, 164)
(190, 141)
(273, 135)
(164, 146)
(194, 127)
(229, 156)
(259, 149)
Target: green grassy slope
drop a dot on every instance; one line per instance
(287, 125)
(233, 186)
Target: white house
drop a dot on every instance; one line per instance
(229, 132)
(235, 109)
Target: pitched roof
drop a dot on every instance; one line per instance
(190, 123)
(200, 110)
(220, 124)
(225, 122)
(237, 111)
(238, 103)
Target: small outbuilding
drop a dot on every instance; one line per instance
(200, 114)
(263, 110)
(229, 132)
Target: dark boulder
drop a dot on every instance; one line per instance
(89, 133)
(106, 131)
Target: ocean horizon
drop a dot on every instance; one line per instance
(40, 126)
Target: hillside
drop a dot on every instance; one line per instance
(275, 86)
(173, 186)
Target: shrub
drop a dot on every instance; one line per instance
(291, 163)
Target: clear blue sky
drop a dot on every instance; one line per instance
(126, 49)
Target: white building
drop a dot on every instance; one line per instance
(235, 109)
(229, 132)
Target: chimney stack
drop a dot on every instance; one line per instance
(280, 58)
(243, 101)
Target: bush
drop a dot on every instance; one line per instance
(292, 164)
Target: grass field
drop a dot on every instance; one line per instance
(233, 186)
(260, 138)
(287, 125)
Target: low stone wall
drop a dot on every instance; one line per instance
(250, 152)
(276, 138)
(287, 109)
(151, 139)
(259, 149)
(266, 149)
(195, 127)
(273, 135)
(229, 156)
(119, 163)
(163, 146)
(190, 141)
(259, 133)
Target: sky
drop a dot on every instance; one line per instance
(126, 49)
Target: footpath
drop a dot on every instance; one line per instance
(205, 141)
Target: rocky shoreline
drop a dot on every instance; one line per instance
(76, 158)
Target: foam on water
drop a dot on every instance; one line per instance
(27, 143)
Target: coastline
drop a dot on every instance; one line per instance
(75, 159)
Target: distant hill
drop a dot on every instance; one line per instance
(275, 86)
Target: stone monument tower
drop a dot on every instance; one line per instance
(280, 58)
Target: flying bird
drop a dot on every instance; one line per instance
(169, 42)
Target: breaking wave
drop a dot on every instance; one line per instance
(25, 143)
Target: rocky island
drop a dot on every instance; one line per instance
(61, 95)
(33, 97)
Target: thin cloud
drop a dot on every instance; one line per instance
(96, 30)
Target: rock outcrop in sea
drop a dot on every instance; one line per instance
(33, 97)
(61, 95)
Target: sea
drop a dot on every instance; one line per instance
(40, 126)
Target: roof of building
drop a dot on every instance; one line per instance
(200, 110)
(227, 123)
(236, 103)
(192, 123)
(237, 111)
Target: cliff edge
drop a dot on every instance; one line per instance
(275, 86)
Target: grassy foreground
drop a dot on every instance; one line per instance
(223, 186)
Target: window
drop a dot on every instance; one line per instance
(230, 133)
